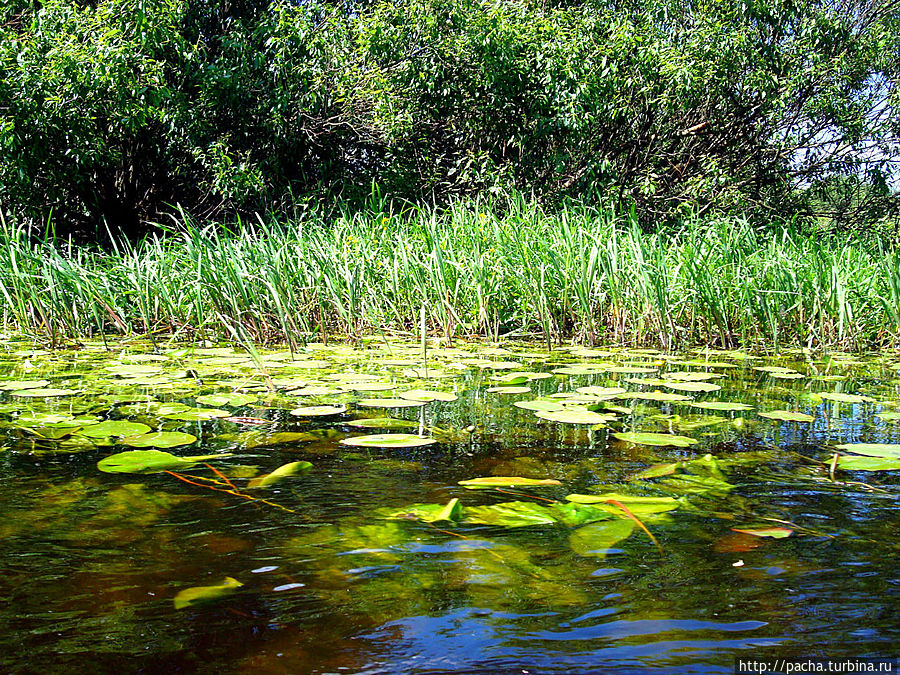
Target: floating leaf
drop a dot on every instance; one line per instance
(227, 399)
(159, 439)
(428, 513)
(45, 393)
(575, 416)
(635, 504)
(872, 449)
(506, 481)
(693, 386)
(382, 423)
(367, 386)
(602, 391)
(630, 370)
(721, 405)
(655, 396)
(200, 594)
(698, 485)
(17, 385)
(597, 538)
(539, 405)
(318, 410)
(283, 471)
(197, 414)
(388, 441)
(787, 416)
(389, 403)
(314, 391)
(656, 439)
(115, 428)
(685, 376)
(508, 390)
(868, 463)
(150, 461)
(427, 395)
(585, 369)
(510, 378)
(845, 398)
(256, 439)
(888, 416)
(774, 532)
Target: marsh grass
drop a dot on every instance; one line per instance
(574, 273)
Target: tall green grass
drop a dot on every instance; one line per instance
(574, 273)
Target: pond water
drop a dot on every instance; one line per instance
(682, 510)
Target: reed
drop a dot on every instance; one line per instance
(488, 269)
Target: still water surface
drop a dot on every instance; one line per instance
(340, 572)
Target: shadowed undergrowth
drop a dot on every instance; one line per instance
(576, 273)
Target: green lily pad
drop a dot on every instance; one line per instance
(115, 428)
(382, 423)
(388, 441)
(636, 504)
(721, 405)
(367, 386)
(150, 461)
(426, 395)
(201, 594)
(889, 416)
(850, 463)
(787, 416)
(885, 450)
(539, 405)
(197, 414)
(585, 369)
(575, 416)
(318, 410)
(510, 378)
(283, 471)
(159, 439)
(656, 439)
(689, 376)
(602, 391)
(314, 391)
(45, 393)
(845, 398)
(508, 390)
(693, 386)
(19, 385)
(655, 396)
(234, 400)
(506, 481)
(597, 538)
(389, 403)
(774, 532)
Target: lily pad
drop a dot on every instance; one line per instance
(636, 504)
(787, 416)
(111, 428)
(389, 403)
(508, 390)
(693, 386)
(575, 416)
(197, 414)
(774, 532)
(201, 594)
(585, 369)
(283, 471)
(850, 463)
(656, 439)
(602, 391)
(506, 481)
(388, 441)
(150, 461)
(318, 410)
(888, 450)
(45, 393)
(382, 423)
(426, 395)
(18, 385)
(539, 405)
(227, 399)
(160, 439)
(845, 398)
(721, 405)
(655, 396)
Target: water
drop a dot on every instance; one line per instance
(92, 562)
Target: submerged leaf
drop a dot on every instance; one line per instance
(428, 513)
(283, 471)
(597, 538)
(509, 514)
(200, 594)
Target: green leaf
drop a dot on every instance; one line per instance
(721, 405)
(428, 513)
(388, 441)
(382, 423)
(787, 416)
(636, 504)
(201, 594)
(575, 416)
(159, 439)
(227, 399)
(150, 461)
(389, 403)
(891, 450)
(114, 428)
(845, 398)
(318, 410)
(656, 439)
(774, 532)
(868, 463)
(597, 538)
(509, 514)
(283, 471)
(506, 481)
(426, 395)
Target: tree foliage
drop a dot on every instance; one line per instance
(122, 109)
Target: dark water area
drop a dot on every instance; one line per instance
(345, 567)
